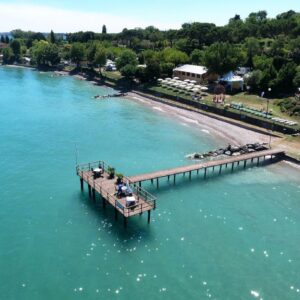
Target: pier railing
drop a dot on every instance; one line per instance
(149, 201)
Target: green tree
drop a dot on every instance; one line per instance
(196, 57)
(15, 46)
(8, 56)
(2, 39)
(221, 58)
(104, 29)
(129, 71)
(127, 57)
(166, 69)
(77, 53)
(174, 56)
(45, 54)
(91, 52)
(285, 77)
(100, 58)
(52, 37)
(6, 39)
(253, 80)
(252, 48)
(296, 80)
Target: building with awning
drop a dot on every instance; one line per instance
(191, 72)
(232, 81)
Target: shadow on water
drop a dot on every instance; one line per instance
(183, 181)
(136, 226)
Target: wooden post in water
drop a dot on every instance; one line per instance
(140, 184)
(152, 181)
(157, 182)
(190, 175)
(81, 183)
(205, 173)
(213, 169)
(168, 177)
(174, 179)
(232, 167)
(125, 222)
(116, 214)
(220, 170)
(90, 191)
(149, 216)
(103, 202)
(226, 165)
(197, 171)
(94, 195)
(258, 161)
(245, 163)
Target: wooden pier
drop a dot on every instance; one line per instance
(145, 202)
(233, 161)
(106, 187)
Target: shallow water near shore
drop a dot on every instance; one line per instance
(230, 237)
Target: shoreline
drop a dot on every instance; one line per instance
(227, 132)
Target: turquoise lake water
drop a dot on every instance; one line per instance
(231, 237)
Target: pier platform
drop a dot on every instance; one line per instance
(106, 187)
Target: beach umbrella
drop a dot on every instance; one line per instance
(204, 88)
(168, 79)
(193, 81)
(176, 78)
(187, 80)
(159, 80)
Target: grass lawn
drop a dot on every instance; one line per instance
(113, 76)
(254, 101)
(251, 101)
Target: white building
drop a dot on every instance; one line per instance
(193, 72)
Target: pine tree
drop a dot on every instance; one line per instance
(52, 37)
(2, 39)
(104, 30)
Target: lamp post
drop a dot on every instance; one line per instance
(270, 131)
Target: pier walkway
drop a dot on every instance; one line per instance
(232, 160)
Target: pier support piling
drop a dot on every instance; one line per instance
(245, 164)
(220, 170)
(81, 184)
(125, 222)
(149, 216)
(232, 167)
(90, 191)
(205, 173)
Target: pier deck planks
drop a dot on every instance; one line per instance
(195, 167)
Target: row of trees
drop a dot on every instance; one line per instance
(271, 47)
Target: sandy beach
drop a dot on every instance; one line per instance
(227, 132)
